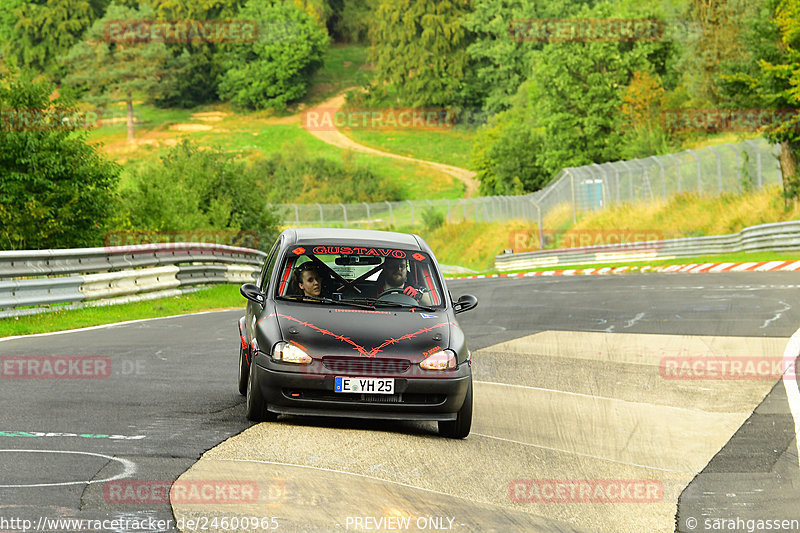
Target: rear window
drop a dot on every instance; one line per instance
(355, 272)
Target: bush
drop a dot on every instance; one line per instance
(297, 178)
(506, 156)
(194, 189)
(432, 219)
(275, 70)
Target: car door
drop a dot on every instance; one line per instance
(254, 309)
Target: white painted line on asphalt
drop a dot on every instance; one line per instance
(129, 469)
(571, 452)
(790, 354)
(104, 326)
(333, 470)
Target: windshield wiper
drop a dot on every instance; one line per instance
(387, 303)
(301, 298)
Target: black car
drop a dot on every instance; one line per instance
(355, 323)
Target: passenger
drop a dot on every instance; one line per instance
(307, 281)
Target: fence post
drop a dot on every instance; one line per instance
(344, 210)
(321, 218)
(699, 172)
(412, 212)
(663, 180)
(296, 215)
(391, 216)
(752, 143)
(448, 209)
(677, 163)
(572, 186)
(630, 179)
(369, 220)
(538, 220)
(719, 168)
(738, 164)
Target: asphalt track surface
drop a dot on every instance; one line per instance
(568, 393)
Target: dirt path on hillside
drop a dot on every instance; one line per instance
(338, 139)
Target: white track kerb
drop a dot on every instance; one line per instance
(791, 384)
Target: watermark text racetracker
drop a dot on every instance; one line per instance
(40, 119)
(330, 119)
(586, 30)
(626, 239)
(727, 368)
(241, 238)
(68, 367)
(180, 31)
(585, 491)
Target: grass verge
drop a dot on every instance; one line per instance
(212, 298)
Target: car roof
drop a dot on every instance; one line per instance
(346, 236)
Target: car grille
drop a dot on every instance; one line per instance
(363, 366)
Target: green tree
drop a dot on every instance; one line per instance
(772, 81)
(35, 34)
(577, 90)
(505, 155)
(56, 191)
(275, 70)
(501, 51)
(191, 73)
(110, 65)
(419, 50)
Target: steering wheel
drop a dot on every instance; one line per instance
(394, 290)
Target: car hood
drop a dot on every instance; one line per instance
(323, 330)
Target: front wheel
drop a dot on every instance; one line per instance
(256, 407)
(459, 428)
(244, 371)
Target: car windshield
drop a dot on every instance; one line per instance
(358, 274)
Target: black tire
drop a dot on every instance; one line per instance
(256, 407)
(244, 371)
(459, 428)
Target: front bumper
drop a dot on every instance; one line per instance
(309, 390)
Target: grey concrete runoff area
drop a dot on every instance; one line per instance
(638, 403)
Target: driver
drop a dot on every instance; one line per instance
(394, 276)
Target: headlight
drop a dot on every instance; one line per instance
(290, 353)
(441, 360)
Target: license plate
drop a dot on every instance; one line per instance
(368, 385)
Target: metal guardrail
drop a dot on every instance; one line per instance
(33, 280)
(780, 236)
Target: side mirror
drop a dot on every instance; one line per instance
(465, 303)
(252, 293)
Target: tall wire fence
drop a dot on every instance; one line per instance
(710, 171)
